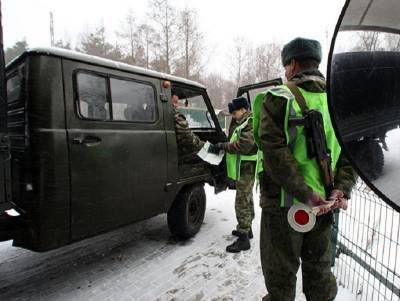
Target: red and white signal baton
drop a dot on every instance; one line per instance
(302, 218)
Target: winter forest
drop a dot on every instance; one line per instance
(171, 40)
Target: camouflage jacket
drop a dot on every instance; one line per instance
(245, 145)
(188, 142)
(281, 169)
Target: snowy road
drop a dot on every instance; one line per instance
(141, 262)
(389, 180)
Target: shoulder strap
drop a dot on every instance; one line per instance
(244, 123)
(299, 97)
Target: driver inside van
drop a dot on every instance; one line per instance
(188, 142)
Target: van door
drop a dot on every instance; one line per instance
(11, 109)
(118, 151)
(202, 120)
(250, 91)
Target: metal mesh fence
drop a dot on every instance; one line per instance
(368, 249)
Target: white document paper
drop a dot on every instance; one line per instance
(211, 158)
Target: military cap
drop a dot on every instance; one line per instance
(301, 48)
(237, 104)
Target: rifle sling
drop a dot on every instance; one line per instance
(298, 96)
(293, 122)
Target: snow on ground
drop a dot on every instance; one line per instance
(345, 295)
(389, 181)
(143, 262)
(370, 231)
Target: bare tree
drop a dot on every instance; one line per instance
(147, 36)
(138, 41)
(248, 70)
(220, 90)
(268, 61)
(190, 41)
(128, 34)
(164, 16)
(254, 64)
(238, 60)
(368, 40)
(392, 41)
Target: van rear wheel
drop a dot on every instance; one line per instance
(369, 157)
(186, 214)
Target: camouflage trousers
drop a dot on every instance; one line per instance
(244, 205)
(281, 250)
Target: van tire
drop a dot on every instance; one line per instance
(186, 214)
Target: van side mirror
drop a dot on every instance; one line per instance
(364, 92)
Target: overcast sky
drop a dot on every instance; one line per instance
(221, 21)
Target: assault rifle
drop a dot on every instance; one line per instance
(316, 139)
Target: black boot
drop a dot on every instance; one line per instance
(241, 244)
(236, 233)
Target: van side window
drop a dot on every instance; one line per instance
(14, 86)
(132, 101)
(92, 93)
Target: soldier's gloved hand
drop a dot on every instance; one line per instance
(339, 198)
(317, 200)
(213, 149)
(220, 145)
(216, 148)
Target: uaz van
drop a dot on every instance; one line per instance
(90, 146)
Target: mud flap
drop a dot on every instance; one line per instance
(220, 178)
(5, 174)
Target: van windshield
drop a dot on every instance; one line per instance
(192, 104)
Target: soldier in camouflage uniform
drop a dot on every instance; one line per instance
(282, 247)
(188, 142)
(241, 153)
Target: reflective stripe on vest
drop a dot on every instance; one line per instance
(296, 140)
(233, 161)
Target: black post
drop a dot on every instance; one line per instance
(3, 88)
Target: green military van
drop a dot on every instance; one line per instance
(90, 146)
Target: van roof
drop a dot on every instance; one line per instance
(91, 59)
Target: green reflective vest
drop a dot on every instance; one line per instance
(233, 161)
(258, 100)
(296, 139)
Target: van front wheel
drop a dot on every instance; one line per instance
(186, 214)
